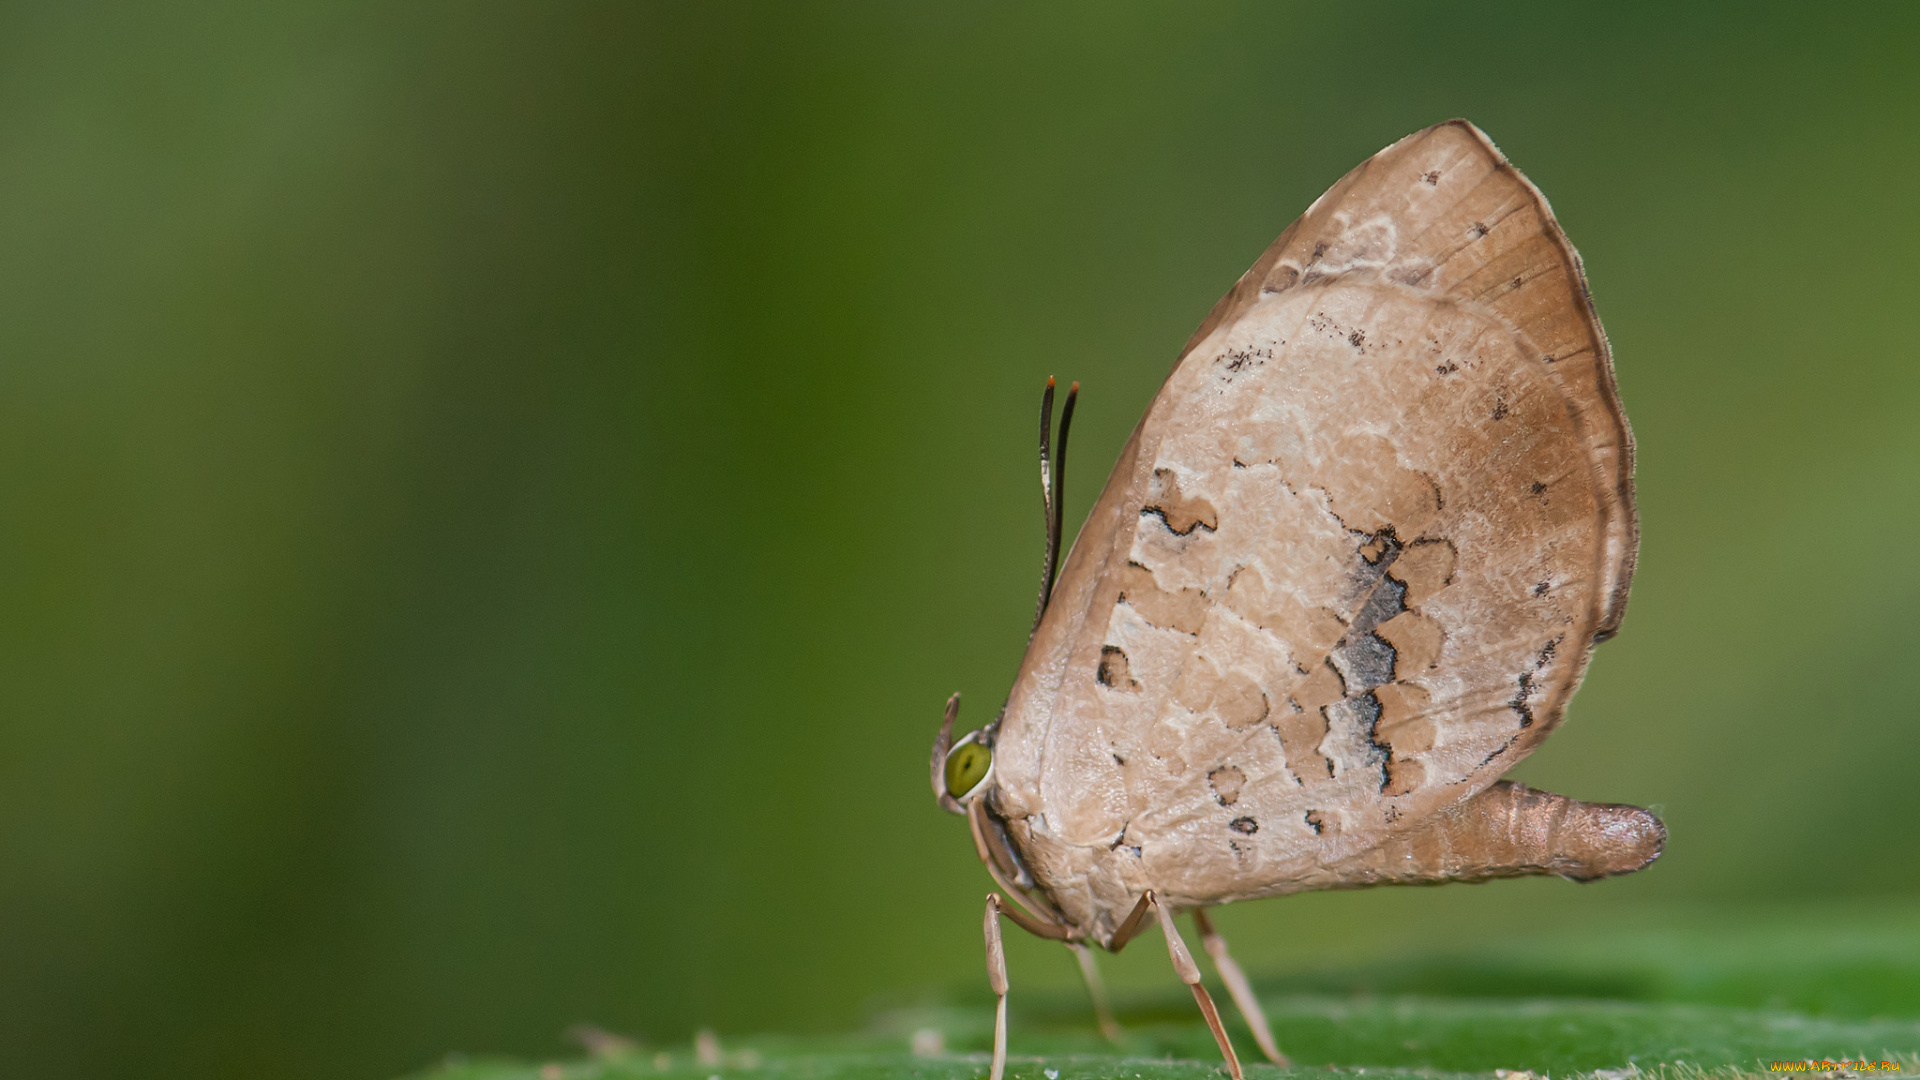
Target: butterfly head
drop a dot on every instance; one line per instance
(968, 767)
(963, 769)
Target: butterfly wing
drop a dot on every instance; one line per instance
(1349, 568)
(1443, 210)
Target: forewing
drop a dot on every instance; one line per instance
(1349, 567)
(1443, 210)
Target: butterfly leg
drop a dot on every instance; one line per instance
(997, 980)
(1189, 973)
(1097, 990)
(1238, 987)
(1130, 925)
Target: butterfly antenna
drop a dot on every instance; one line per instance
(1053, 467)
(1046, 500)
(1054, 531)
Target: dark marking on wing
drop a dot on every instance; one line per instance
(1234, 361)
(1426, 567)
(1226, 782)
(1504, 747)
(1362, 657)
(1113, 671)
(1179, 512)
(1522, 701)
(1161, 513)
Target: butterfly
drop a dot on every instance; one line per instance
(1346, 573)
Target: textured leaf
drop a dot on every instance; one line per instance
(1675, 1005)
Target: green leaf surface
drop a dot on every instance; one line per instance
(1683, 1002)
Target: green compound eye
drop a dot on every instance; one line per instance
(967, 765)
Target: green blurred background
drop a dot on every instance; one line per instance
(492, 498)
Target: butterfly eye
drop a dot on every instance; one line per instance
(967, 767)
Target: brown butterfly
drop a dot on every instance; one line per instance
(1346, 573)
